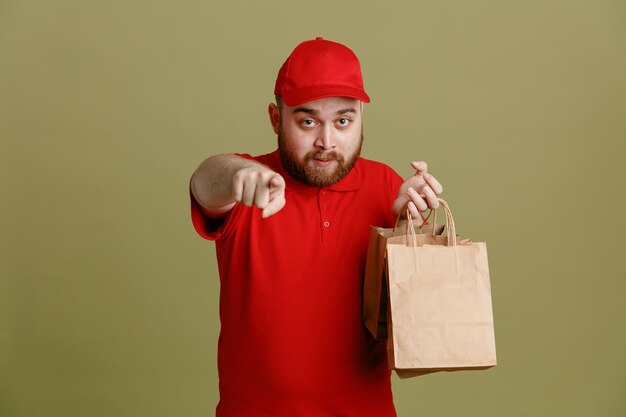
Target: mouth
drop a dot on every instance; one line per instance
(323, 161)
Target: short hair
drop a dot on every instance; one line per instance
(279, 101)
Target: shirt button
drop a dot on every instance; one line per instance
(326, 224)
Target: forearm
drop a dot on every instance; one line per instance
(212, 182)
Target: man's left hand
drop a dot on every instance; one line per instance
(420, 191)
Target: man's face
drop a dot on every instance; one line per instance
(320, 141)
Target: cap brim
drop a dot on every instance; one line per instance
(304, 95)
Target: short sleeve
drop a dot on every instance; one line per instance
(395, 182)
(208, 228)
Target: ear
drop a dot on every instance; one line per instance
(274, 113)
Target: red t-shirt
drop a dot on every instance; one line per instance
(292, 341)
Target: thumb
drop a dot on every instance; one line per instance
(420, 167)
(277, 182)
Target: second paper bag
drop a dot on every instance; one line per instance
(439, 311)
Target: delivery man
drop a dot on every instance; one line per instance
(291, 229)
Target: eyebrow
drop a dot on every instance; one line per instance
(314, 112)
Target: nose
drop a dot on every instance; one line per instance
(324, 138)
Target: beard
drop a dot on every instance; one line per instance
(318, 176)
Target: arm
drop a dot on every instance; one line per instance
(419, 191)
(222, 180)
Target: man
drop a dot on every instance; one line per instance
(291, 230)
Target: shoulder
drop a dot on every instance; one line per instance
(377, 170)
(371, 164)
(271, 159)
(378, 177)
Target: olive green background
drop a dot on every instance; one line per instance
(108, 299)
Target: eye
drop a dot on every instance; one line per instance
(343, 122)
(307, 123)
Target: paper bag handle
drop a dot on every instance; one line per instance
(450, 227)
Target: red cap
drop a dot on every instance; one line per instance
(317, 69)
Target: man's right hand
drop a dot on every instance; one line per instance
(257, 185)
(223, 180)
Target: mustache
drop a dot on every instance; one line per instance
(323, 155)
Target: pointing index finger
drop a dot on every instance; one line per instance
(276, 203)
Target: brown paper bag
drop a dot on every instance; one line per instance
(439, 304)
